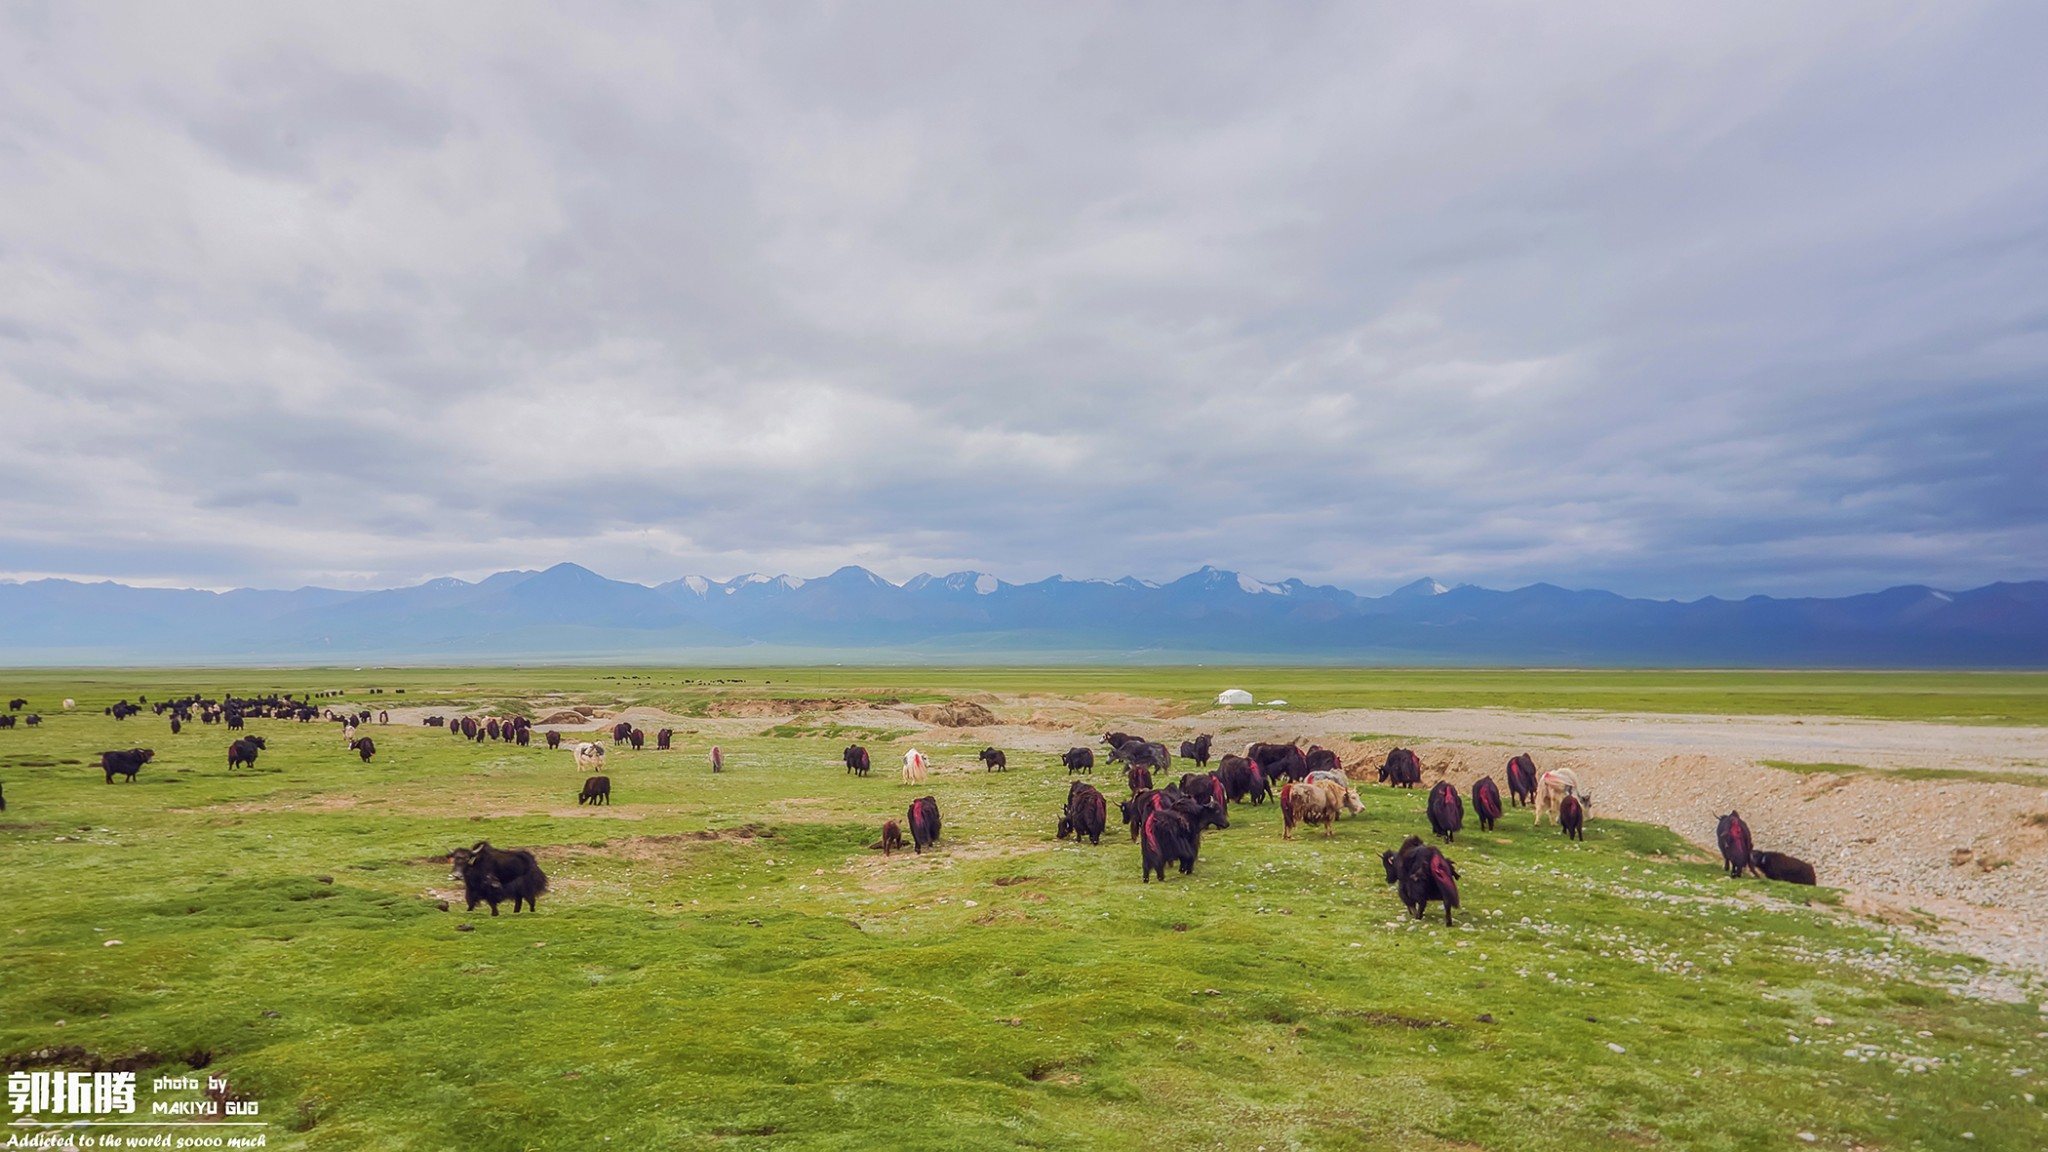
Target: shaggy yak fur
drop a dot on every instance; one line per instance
(1486, 802)
(1420, 873)
(1446, 811)
(494, 875)
(1085, 815)
(924, 823)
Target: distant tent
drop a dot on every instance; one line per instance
(1234, 696)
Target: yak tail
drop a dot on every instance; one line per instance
(1446, 879)
(1286, 805)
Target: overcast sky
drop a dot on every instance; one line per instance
(1668, 299)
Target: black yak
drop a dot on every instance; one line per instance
(1078, 760)
(856, 758)
(1086, 813)
(1205, 786)
(664, 739)
(892, 837)
(554, 739)
(1778, 866)
(244, 751)
(596, 790)
(1522, 780)
(6, 721)
(1242, 779)
(1421, 874)
(1321, 759)
(1736, 846)
(1134, 810)
(491, 728)
(1196, 750)
(1403, 769)
(366, 748)
(621, 731)
(1571, 816)
(1142, 754)
(32, 720)
(523, 737)
(924, 823)
(1446, 811)
(1486, 802)
(175, 726)
(637, 739)
(125, 763)
(494, 875)
(1138, 778)
(1171, 833)
(1117, 739)
(993, 759)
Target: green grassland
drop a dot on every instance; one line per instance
(1998, 698)
(722, 962)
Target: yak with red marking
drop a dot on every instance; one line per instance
(1486, 802)
(1420, 874)
(1522, 780)
(1446, 811)
(1086, 814)
(1736, 846)
(924, 823)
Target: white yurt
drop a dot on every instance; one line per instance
(1234, 696)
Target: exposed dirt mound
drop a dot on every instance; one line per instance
(566, 716)
(787, 707)
(954, 714)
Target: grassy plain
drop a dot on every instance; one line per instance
(722, 963)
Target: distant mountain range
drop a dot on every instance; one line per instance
(571, 613)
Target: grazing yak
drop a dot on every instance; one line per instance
(664, 739)
(637, 739)
(1142, 754)
(590, 757)
(364, 747)
(1736, 847)
(1403, 769)
(1117, 739)
(596, 790)
(490, 728)
(1522, 780)
(1140, 803)
(1778, 866)
(892, 837)
(175, 726)
(1138, 778)
(924, 823)
(1205, 786)
(495, 875)
(6, 721)
(1196, 750)
(125, 763)
(1078, 760)
(554, 739)
(1310, 802)
(993, 759)
(1171, 833)
(856, 758)
(1352, 803)
(1446, 811)
(1551, 789)
(916, 765)
(1571, 816)
(1242, 780)
(1420, 873)
(243, 751)
(1486, 802)
(1321, 759)
(17, 704)
(1086, 813)
(524, 737)
(32, 720)
(620, 732)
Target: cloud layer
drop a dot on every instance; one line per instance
(1665, 299)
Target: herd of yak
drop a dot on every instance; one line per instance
(1310, 785)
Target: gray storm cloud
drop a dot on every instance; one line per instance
(1667, 299)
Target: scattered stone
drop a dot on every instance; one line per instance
(1617, 1049)
(465, 927)
(108, 943)
(1484, 1017)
